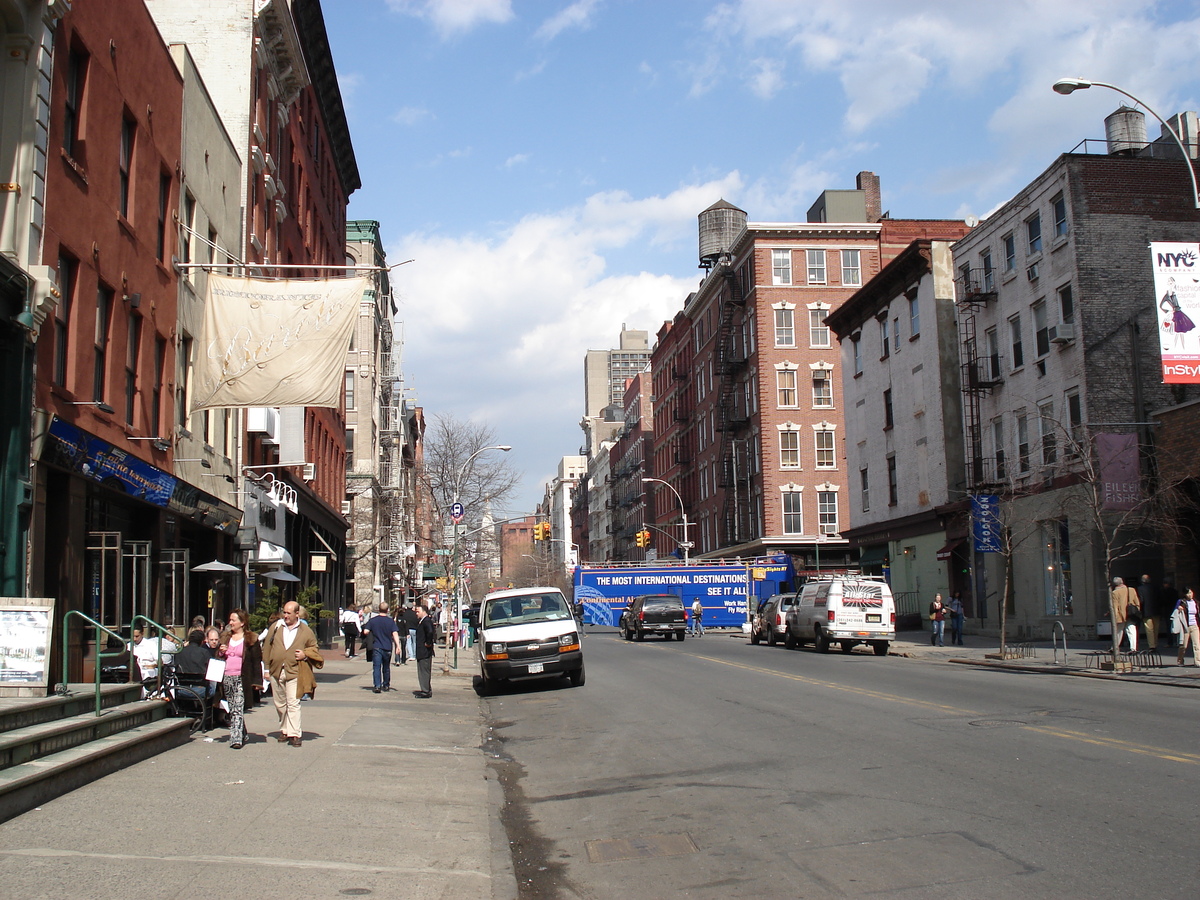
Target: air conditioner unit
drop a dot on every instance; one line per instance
(310, 471)
(1032, 272)
(1062, 333)
(345, 509)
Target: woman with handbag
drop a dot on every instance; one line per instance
(242, 652)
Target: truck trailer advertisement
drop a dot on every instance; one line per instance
(604, 592)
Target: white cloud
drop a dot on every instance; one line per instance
(577, 16)
(766, 77)
(454, 17)
(410, 115)
(516, 159)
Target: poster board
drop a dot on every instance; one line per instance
(26, 632)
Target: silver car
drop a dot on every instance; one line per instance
(770, 623)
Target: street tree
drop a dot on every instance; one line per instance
(488, 479)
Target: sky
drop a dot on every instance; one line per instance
(543, 163)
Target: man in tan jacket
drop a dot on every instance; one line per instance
(290, 653)
(1121, 598)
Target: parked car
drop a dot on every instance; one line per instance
(654, 614)
(770, 622)
(527, 633)
(846, 610)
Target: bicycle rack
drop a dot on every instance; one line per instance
(1055, 632)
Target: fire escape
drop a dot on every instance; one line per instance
(733, 415)
(981, 373)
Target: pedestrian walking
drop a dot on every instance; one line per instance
(410, 622)
(351, 626)
(697, 618)
(385, 637)
(1189, 632)
(1148, 600)
(242, 652)
(937, 618)
(956, 618)
(1126, 613)
(426, 638)
(402, 632)
(290, 652)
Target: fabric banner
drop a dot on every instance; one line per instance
(985, 523)
(1177, 302)
(1120, 478)
(274, 343)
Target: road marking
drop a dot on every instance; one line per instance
(1082, 737)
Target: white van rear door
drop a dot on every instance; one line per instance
(862, 605)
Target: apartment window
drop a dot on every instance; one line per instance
(128, 126)
(789, 449)
(822, 390)
(62, 318)
(1059, 206)
(816, 266)
(132, 352)
(827, 512)
(888, 420)
(818, 331)
(1033, 234)
(1010, 252)
(160, 368)
(183, 366)
(164, 220)
(781, 266)
(793, 512)
(1022, 442)
(825, 450)
(349, 381)
(349, 448)
(893, 486)
(885, 347)
(211, 247)
(998, 447)
(1015, 345)
(864, 483)
(851, 267)
(1075, 422)
(76, 72)
(914, 317)
(188, 216)
(785, 328)
(991, 342)
(896, 334)
(1066, 304)
(104, 303)
(785, 380)
(989, 273)
(1041, 333)
(1046, 427)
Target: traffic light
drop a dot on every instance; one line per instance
(643, 538)
(541, 531)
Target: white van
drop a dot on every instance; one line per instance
(848, 610)
(527, 633)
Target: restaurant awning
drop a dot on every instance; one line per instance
(873, 556)
(946, 552)
(273, 554)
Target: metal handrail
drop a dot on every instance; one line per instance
(162, 630)
(100, 654)
(1055, 631)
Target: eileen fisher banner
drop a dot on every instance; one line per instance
(275, 343)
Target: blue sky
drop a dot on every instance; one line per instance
(544, 162)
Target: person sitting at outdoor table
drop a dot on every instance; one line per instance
(149, 652)
(193, 661)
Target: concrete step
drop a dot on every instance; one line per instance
(27, 785)
(21, 712)
(21, 745)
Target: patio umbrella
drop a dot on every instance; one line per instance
(279, 575)
(215, 567)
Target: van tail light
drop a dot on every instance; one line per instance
(641, 615)
(893, 619)
(779, 618)
(829, 615)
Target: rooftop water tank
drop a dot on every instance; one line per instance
(1125, 131)
(720, 224)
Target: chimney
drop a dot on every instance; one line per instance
(868, 183)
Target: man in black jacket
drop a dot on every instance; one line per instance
(407, 621)
(424, 638)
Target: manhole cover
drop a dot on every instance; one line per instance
(652, 846)
(997, 723)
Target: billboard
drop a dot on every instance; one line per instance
(1177, 303)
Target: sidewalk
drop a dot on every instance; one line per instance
(389, 797)
(1078, 660)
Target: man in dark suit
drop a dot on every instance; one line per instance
(425, 638)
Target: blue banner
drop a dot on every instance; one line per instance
(985, 522)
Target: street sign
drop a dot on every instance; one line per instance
(457, 512)
(468, 566)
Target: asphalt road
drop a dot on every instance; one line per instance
(717, 769)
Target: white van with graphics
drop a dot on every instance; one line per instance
(527, 633)
(843, 609)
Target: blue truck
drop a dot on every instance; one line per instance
(722, 586)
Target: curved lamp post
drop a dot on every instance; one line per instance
(1070, 85)
(685, 543)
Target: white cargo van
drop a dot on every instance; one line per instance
(527, 633)
(845, 609)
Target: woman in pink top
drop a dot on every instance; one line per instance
(243, 669)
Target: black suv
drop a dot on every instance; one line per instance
(654, 614)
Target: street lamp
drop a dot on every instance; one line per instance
(1070, 85)
(685, 543)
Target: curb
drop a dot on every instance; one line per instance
(1078, 673)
